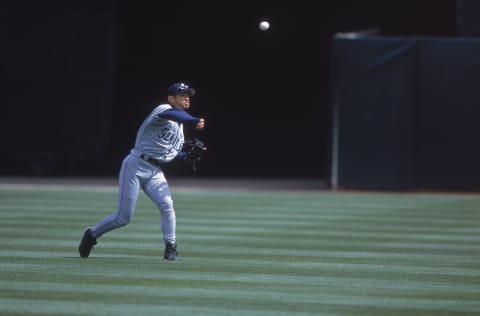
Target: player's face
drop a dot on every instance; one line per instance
(181, 101)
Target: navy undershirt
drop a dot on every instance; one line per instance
(179, 116)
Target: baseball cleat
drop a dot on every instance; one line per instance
(87, 243)
(170, 252)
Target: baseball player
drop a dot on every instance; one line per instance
(159, 140)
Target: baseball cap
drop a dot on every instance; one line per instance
(180, 88)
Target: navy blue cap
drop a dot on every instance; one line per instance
(180, 88)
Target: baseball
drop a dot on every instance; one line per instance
(264, 25)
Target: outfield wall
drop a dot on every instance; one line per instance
(404, 113)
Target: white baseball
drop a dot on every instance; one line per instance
(264, 25)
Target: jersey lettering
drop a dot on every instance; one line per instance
(169, 137)
(159, 138)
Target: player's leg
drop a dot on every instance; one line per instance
(129, 188)
(128, 194)
(158, 191)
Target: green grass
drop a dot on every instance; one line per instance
(243, 253)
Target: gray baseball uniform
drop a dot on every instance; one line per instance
(159, 140)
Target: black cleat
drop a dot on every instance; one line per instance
(170, 252)
(87, 243)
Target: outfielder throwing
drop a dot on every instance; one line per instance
(159, 140)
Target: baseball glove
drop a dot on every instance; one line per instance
(195, 150)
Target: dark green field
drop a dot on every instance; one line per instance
(243, 253)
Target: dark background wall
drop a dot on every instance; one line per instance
(405, 112)
(79, 77)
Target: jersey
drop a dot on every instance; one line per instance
(159, 138)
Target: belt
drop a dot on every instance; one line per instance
(153, 161)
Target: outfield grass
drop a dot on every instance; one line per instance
(243, 253)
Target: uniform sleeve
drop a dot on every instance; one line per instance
(181, 155)
(179, 116)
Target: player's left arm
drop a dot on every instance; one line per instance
(181, 116)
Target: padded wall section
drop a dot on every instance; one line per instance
(374, 103)
(448, 112)
(405, 113)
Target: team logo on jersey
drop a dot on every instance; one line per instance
(169, 137)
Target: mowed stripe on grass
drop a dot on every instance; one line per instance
(243, 253)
